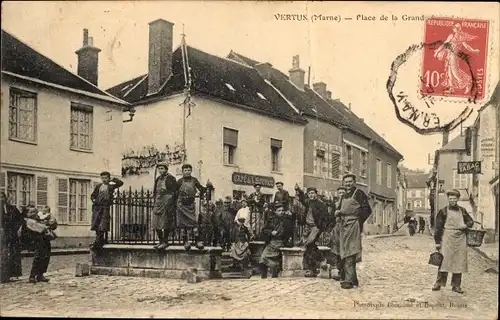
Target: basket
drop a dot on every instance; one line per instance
(436, 258)
(475, 236)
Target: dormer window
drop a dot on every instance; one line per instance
(261, 96)
(230, 87)
(126, 87)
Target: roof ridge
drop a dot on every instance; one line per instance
(219, 57)
(57, 64)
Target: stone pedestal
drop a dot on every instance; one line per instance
(256, 248)
(144, 261)
(292, 260)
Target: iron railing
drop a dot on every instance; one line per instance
(131, 221)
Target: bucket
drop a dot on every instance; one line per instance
(435, 259)
(475, 236)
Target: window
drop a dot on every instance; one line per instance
(327, 160)
(276, 146)
(320, 162)
(389, 175)
(379, 171)
(348, 164)
(417, 204)
(22, 115)
(230, 143)
(363, 164)
(413, 193)
(20, 189)
(78, 200)
(81, 127)
(459, 180)
(408, 205)
(418, 193)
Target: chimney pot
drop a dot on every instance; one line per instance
(160, 54)
(88, 59)
(296, 73)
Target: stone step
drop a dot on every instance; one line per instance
(233, 275)
(227, 269)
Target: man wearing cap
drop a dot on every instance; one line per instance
(353, 211)
(452, 223)
(256, 201)
(274, 236)
(165, 189)
(187, 186)
(283, 197)
(316, 219)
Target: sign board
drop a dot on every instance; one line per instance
(468, 167)
(250, 180)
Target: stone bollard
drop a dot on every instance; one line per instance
(192, 275)
(82, 270)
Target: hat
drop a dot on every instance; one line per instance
(105, 173)
(186, 166)
(312, 189)
(162, 164)
(279, 182)
(453, 192)
(257, 185)
(228, 199)
(349, 175)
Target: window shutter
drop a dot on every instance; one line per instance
(276, 143)
(336, 165)
(41, 191)
(2, 181)
(62, 199)
(230, 137)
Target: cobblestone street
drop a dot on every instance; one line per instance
(395, 282)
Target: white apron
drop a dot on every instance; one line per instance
(454, 244)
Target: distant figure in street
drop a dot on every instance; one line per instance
(10, 254)
(412, 226)
(165, 192)
(186, 208)
(316, 220)
(452, 223)
(274, 235)
(353, 212)
(335, 245)
(102, 199)
(421, 225)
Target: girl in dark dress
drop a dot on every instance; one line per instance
(10, 256)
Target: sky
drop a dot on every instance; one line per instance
(352, 57)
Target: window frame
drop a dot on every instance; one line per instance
(275, 159)
(231, 154)
(79, 107)
(349, 158)
(378, 171)
(35, 116)
(458, 178)
(78, 196)
(389, 175)
(363, 163)
(32, 191)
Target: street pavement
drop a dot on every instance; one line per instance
(395, 283)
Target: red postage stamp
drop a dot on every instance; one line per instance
(456, 65)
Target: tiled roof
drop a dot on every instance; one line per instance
(417, 180)
(214, 77)
(20, 59)
(311, 104)
(458, 143)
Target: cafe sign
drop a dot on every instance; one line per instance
(250, 180)
(468, 167)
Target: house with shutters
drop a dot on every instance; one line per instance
(337, 142)
(230, 124)
(58, 132)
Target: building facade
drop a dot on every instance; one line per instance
(402, 196)
(485, 148)
(418, 193)
(58, 132)
(234, 128)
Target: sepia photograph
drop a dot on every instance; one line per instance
(250, 159)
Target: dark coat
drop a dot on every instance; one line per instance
(319, 211)
(111, 189)
(274, 223)
(441, 221)
(284, 197)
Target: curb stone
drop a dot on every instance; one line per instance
(59, 252)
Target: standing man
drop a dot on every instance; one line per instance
(450, 236)
(282, 196)
(164, 191)
(257, 202)
(316, 220)
(335, 246)
(102, 199)
(353, 212)
(186, 207)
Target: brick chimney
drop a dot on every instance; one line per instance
(297, 74)
(264, 69)
(320, 88)
(88, 59)
(160, 54)
(328, 95)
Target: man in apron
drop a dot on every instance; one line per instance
(165, 189)
(102, 199)
(450, 236)
(316, 220)
(186, 206)
(353, 212)
(336, 238)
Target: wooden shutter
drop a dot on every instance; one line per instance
(62, 199)
(230, 137)
(336, 166)
(2, 181)
(41, 191)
